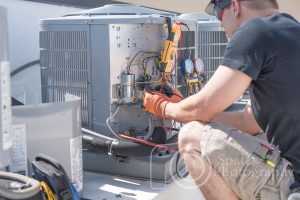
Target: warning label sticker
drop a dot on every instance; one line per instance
(76, 162)
(19, 149)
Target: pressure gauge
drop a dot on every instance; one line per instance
(199, 66)
(189, 66)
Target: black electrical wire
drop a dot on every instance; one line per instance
(145, 62)
(185, 51)
(189, 41)
(145, 52)
(23, 67)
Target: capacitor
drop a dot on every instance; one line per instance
(127, 83)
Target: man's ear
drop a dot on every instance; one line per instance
(236, 7)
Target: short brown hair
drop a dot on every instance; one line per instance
(261, 4)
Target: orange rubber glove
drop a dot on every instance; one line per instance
(155, 102)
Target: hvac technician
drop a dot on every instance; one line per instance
(223, 151)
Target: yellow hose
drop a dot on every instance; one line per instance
(45, 188)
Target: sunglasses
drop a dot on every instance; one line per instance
(216, 8)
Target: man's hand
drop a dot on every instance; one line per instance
(155, 102)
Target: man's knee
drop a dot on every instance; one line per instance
(190, 136)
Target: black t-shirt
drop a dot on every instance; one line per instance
(268, 50)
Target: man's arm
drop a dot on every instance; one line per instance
(243, 121)
(225, 87)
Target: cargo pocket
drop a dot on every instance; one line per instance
(277, 186)
(252, 178)
(268, 193)
(256, 173)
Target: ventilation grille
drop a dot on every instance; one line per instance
(63, 40)
(64, 67)
(212, 42)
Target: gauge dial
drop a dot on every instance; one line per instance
(189, 66)
(199, 66)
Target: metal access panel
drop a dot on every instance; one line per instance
(211, 42)
(125, 41)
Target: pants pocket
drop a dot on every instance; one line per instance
(268, 193)
(278, 185)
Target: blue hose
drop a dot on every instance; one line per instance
(74, 192)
